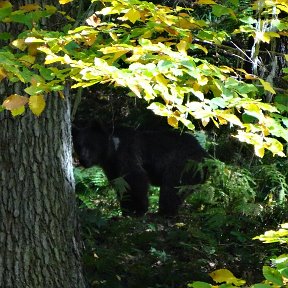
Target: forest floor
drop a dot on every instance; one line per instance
(158, 252)
(152, 251)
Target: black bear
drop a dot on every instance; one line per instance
(141, 158)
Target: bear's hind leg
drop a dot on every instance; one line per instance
(135, 199)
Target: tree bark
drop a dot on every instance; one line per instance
(39, 243)
(38, 230)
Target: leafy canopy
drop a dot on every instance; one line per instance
(161, 54)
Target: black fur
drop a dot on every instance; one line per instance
(142, 157)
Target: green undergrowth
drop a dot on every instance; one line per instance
(214, 230)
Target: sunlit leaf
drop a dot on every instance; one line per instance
(18, 111)
(267, 86)
(232, 118)
(62, 2)
(205, 2)
(272, 275)
(224, 275)
(93, 20)
(172, 121)
(182, 46)
(261, 36)
(37, 104)
(132, 15)
(198, 284)
(19, 44)
(27, 60)
(2, 74)
(259, 150)
(14, 101)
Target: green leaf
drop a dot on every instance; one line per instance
(260, 285)
(199, 284)
(234, 2)
(284, 272)
(281, 99)
(5, 36)
(272, 275)
(246, 118)
(248, 20)
(5, 9)
(219, 10)
(46, 73)
(35, 89)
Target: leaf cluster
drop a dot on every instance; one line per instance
(159, 53)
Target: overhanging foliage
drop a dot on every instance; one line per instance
(160, 54)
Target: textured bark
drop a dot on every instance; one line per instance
(38, 247)
(38, 229)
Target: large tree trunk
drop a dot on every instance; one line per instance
(39, 247)
(38, 243)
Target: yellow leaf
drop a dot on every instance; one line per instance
(118, 55)
(172, 121)
(61, 94)
(62, 2)
(252, 107)
(37, 104)
(53, 58)
(30, 7)
(250, 77)
(5, 4)
(186, 24)
(233, 119)
(161, 80)
(18, 111)
(222, 121)
(132, 15)
(2, 74)
(215, 122)
(202, 80)
(199, 94)
(261, 36)
(259, 150)
(89, 41)
(148, 90)
(27, 60)
(182, 47)
(204, 49)
(134, 89)
(205, 121)
(19, 44)
(148, 35)
(267, 86)
(51, 9)
(224, 275)
(226, 69)
(33, 49)
(205, 2)
(14, 101)
(113, 36)
(275, 147)
(171, 30)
